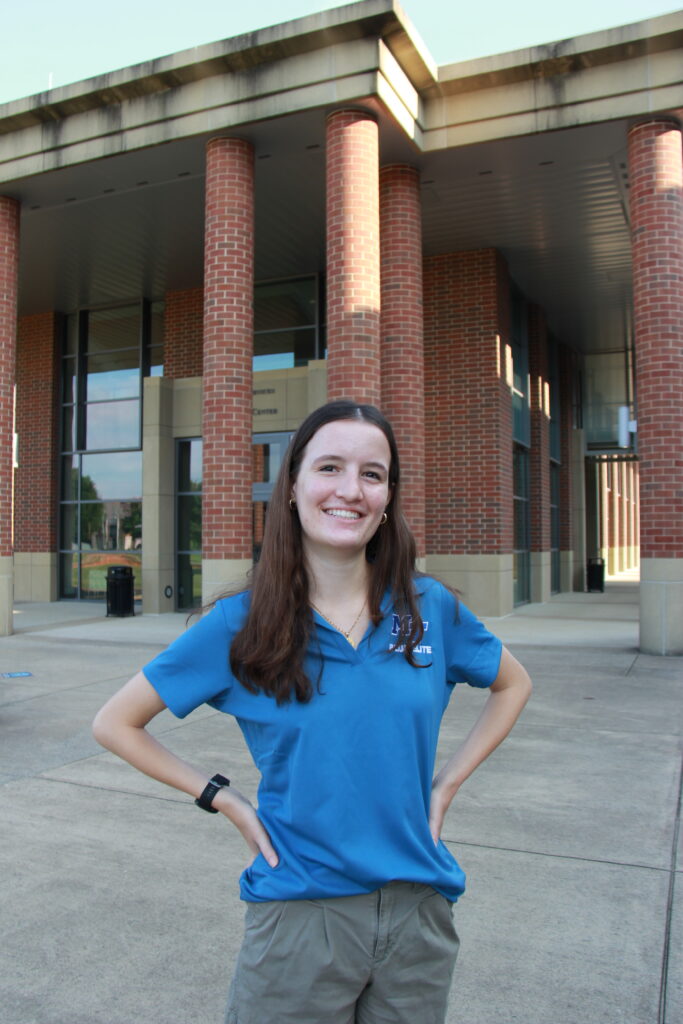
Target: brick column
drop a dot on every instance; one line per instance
(353, 289)
(9, 275)
(227, 359)
(468, 413)
(656, 204)
(539, 456)
(401, 327)
(36, 489)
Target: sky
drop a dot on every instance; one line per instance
(53, 42)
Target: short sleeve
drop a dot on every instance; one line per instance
(472, 652)
(195, 668)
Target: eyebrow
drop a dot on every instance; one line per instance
(340, 458)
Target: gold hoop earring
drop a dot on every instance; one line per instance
(384, 519)
(292, 504)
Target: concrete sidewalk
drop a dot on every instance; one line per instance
(119, 897)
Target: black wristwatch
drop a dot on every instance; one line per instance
(209, 792)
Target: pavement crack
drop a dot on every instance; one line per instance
(557, 856)
(663, 988)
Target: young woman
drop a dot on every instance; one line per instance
(338, 663)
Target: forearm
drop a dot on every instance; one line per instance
(136, 746)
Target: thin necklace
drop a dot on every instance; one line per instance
(346, 632)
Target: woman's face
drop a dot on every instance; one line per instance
(342, 487)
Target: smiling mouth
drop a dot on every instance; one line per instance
(341, 513)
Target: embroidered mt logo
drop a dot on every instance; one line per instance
(421, 648)
(396, 624)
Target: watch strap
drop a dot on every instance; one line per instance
(208, 793)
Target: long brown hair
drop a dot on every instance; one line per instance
(268, 652)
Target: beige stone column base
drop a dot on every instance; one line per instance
(35, 576)
(221, 574)
(661, 606)
(484, 581)
(6, 595)
(540, 576)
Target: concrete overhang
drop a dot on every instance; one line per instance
(622, 73)
(340, 56)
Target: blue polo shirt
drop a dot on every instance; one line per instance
(346, 778)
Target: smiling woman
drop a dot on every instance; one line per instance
(338, 663)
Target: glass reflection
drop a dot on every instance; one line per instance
(111, 525)
(68, 527)
(112, 475)
(69, 428)
(284, 349)
(94, 572)
(113, 425)
(266, 460)
(285, 304)
(190, 465)
(189, 522)
(189, 570)
(69, 482)
(113, 328)
(112, 376)
(69, 380)
(69, 575)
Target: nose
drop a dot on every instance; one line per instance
(348, 486)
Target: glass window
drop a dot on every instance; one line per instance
(111, 525)
(114, 375)
(282, 304)
(69, 428)
(68, 574)
(69, 479)
(519, 342)
(282, 350)
(112, 475)
(69, 379)
(114, 328)
(189, 580)
(68, 527)
(156, 340)
(555, 582)
(521, 561)
(113, 425)
(189, 523)
(190, 465)
(94, 567)
(101, 489)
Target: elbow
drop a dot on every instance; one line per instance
(102, 731)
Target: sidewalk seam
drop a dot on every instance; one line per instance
(661, 1016)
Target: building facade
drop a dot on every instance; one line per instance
(197, 251)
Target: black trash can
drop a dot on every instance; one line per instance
(120, 590)
(596, 575)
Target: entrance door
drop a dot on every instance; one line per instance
(268, 453)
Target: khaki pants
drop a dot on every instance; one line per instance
(384, 957)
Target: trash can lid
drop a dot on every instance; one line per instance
(116, 571)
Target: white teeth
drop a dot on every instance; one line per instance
(342, 513)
